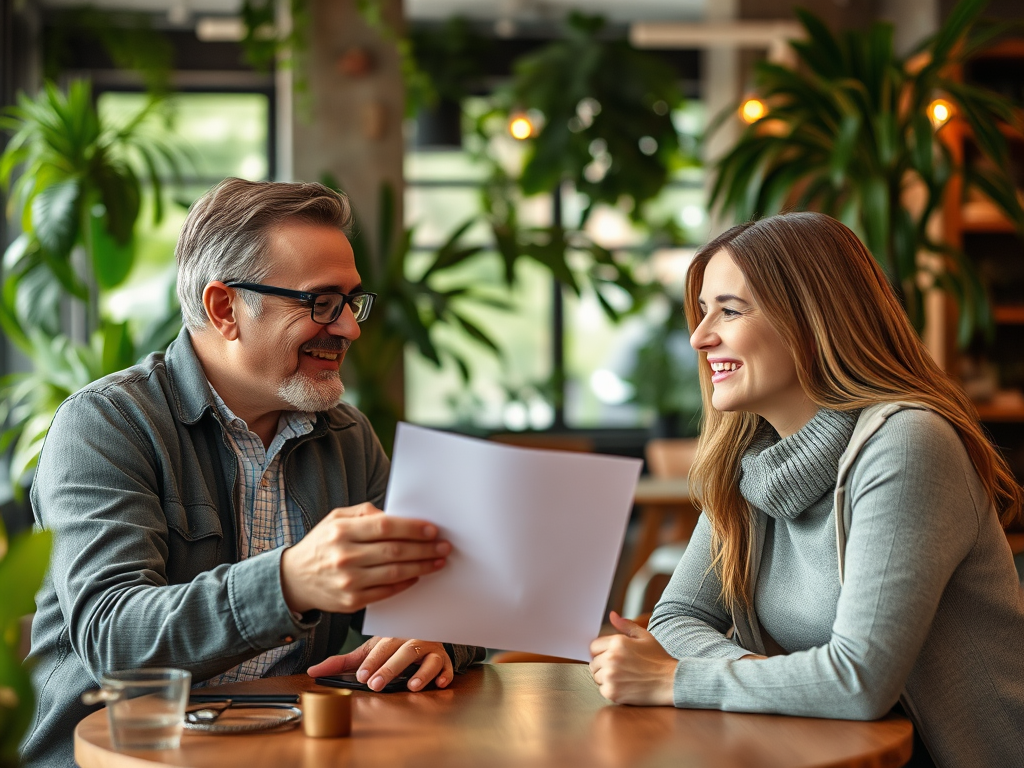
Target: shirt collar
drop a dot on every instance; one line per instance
(301, 422)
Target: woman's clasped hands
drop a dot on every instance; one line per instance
(632, 667)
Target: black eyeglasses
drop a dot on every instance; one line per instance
(324, 308)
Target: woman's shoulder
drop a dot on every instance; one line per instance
(913, 435)
(918, 424)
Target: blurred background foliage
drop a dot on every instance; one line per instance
(848, 131)
(77, 200)
(23, 562)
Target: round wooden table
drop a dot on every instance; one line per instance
(529, 715)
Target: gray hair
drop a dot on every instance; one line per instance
(227, 231)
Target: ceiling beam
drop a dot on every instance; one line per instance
(738, 34)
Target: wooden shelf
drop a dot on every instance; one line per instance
(1009, 315)
(1004, 49)
(983, 216)
(991, 412)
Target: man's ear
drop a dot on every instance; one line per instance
(219, 302)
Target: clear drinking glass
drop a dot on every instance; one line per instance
(146, 707)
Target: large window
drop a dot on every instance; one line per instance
(220, 134)
(443, 190)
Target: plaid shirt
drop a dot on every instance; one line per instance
(268, 518)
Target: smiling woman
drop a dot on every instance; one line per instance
(752, 369)
(851, 513)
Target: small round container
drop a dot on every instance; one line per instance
(326, 714)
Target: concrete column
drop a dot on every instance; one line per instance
(349, 113)
(912, 22)
(721, 86)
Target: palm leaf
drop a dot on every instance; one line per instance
(55, 216)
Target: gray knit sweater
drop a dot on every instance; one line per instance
(931, 612)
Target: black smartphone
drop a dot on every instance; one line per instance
(348, 680)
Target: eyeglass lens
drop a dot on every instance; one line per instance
(329, 306)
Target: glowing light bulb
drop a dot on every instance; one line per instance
(753, 110)
(520, 127)
(939, 112)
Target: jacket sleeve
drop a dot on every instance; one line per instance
(916, 502)
(690, 620)
(96, 488)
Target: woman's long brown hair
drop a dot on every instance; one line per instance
(853, 347)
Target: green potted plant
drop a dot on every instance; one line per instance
(411, 307)
(847, 132)
(606, 117)
(23, 563)
(77, 201)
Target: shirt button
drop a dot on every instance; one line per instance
(264, 482)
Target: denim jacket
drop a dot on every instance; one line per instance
(138, 484)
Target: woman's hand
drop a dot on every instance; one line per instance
(632, 668)
(380, 659)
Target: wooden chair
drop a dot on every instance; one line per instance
(670, 457)
(666, 458)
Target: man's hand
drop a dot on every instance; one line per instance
(379, 659)
(632, 668)
(356, 556)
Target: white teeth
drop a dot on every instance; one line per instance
(719, 367)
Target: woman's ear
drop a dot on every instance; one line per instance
(219, 302)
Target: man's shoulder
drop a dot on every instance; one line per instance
(140, 382)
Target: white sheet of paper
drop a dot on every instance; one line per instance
(535, 534)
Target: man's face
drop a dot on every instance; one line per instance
(293, 363)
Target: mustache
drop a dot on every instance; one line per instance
(336, 344)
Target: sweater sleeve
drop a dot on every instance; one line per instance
(690, 620)
(916, 501)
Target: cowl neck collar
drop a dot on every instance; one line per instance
(782, 477)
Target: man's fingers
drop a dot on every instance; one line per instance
(428, 658)
(373, 594)
(447, 672)
(396, 573)
(408, 652)
(378, 657)
(368, 554)
(381, 527)
(430, 668)
(359, 510)
(335, 665)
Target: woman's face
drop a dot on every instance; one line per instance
(752, 368)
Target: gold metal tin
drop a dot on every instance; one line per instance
(327, 713)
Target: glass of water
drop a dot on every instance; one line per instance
(146, 707)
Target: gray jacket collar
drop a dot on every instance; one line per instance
(193, 396)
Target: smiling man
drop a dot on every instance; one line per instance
(216, 508)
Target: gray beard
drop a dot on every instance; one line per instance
(312, 394)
